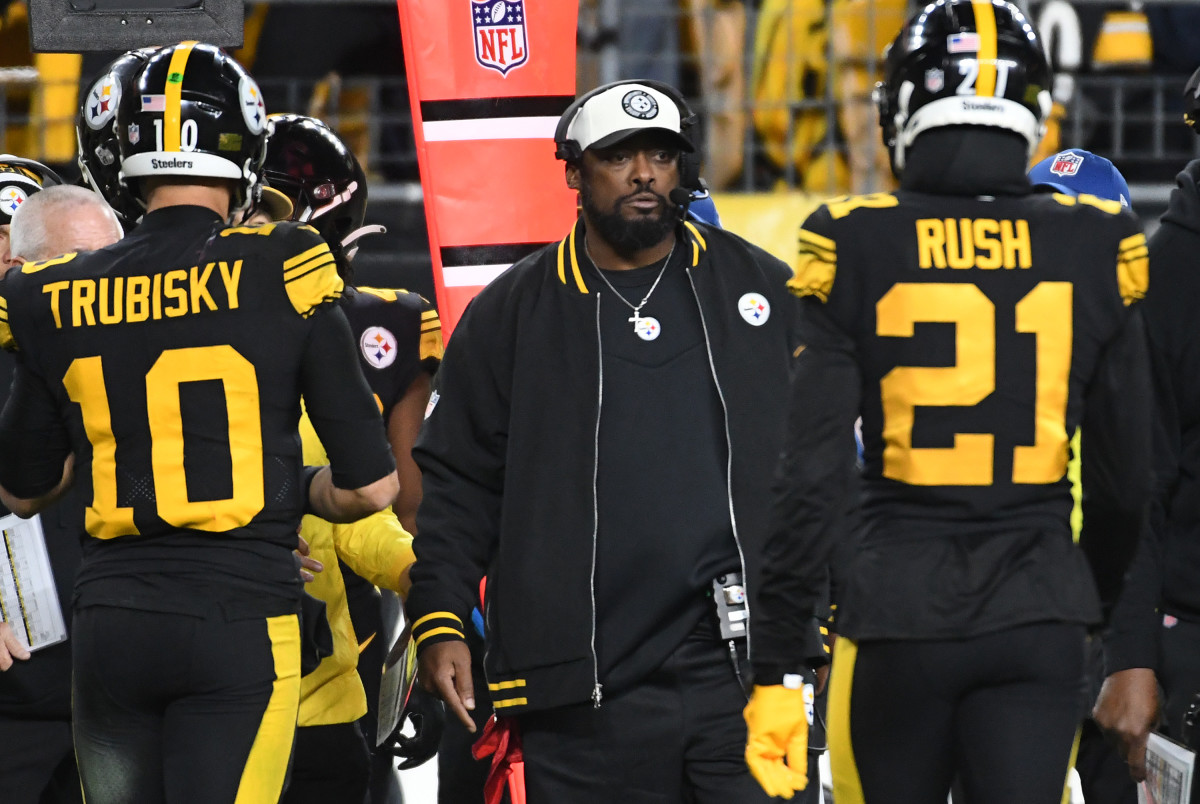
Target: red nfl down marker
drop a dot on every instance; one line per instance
(501, 43)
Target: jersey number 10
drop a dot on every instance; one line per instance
(84, 382)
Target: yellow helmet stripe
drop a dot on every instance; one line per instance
(173, 116)
(985, 25)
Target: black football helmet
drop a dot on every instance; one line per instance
(312, 166)
(963, 63)
(193, 111)
(1191, 102)
(96, 133)
(19, 179)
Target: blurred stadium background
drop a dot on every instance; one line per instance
(782, 86)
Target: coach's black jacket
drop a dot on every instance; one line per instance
(508, 457)
(1165, 577)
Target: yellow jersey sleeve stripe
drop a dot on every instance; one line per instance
(436, 631)
(437, 615)
(695, 253)
(299, 271)
(305, 256)
(1133, 268)
(985, 25)
(314, 288)
(173, 116)
(816, 241)
(428, 314)
(7, 341)
(507, 685)
(510, 702)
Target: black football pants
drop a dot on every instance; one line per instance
(37, 762)
(331, 765)
(678, 736)
(183, 710)
(1000, 711)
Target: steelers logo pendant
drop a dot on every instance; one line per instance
(647, 328)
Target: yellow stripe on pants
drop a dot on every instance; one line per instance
(266, 767)
(847, 787)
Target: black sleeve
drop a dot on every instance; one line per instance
(812, 487)
(461, 452)
(1115, 468)
(1132, 637)
(340, 404)
(34, 440)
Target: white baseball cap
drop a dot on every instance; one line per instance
(621, 111)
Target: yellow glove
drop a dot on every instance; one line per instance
(777, 727)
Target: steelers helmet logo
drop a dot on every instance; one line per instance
(253, 109)
(101, 105)
(10, 198)
(640, 104)
(378, 347)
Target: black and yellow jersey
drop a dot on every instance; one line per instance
(399, 335)
(172, 364)
(973, 334)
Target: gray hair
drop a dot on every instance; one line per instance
(34, 234)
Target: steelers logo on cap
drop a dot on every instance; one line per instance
(11, 197)
(640, 104)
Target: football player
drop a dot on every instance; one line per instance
(164, 375)
(35, 692)
(96, 134)
(19, 178)
(973, 324)
(399, 345)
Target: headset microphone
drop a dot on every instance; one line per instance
(680, 197)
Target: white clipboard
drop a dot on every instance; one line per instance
(1169, 770)
(28, 596)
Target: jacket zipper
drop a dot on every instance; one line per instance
(597, 692)
(728, 454)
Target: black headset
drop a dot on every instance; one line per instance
(689, 164)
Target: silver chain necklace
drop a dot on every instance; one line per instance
(647, 328)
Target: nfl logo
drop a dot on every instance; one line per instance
(935, 81)
(1066, 164)
(499, 28)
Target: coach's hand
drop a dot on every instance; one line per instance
(1128, 709)
(777, 728)
(445, 670)
(10, 647)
